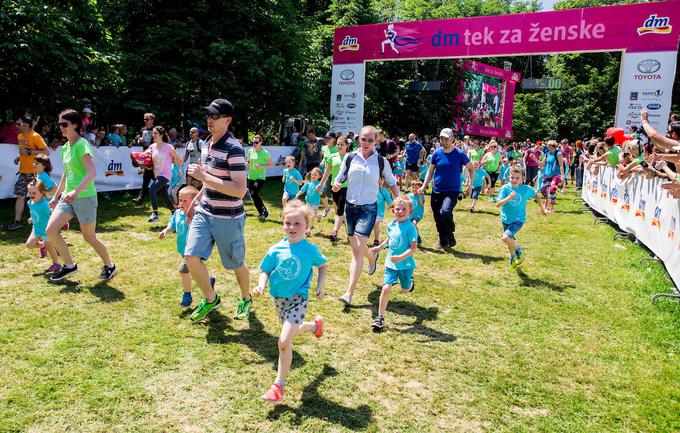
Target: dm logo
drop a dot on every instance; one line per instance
(615, 196)
(649, 66)
(671, 228)
(603, 194)
(593, 188)
(349, 44)
(347, 74)
(640, 211)
(626, 201)
(654, 24)
(114, 169)
(656, 219)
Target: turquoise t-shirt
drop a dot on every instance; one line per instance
(401, 235)
(480, 174)
(40, 215)
(291, 267)
(289, 186)
(504, 172)
(178, 224)
(418, 207)
(552, 168)
(423, 171)
(384, 197)
(47, 180)
(312, 196)
(399, 168)
(516, 209)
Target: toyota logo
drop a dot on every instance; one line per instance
(348, 74)
(649, 66)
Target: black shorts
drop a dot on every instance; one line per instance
(339, 200)
(412, 167)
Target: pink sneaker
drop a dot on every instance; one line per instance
(319, 326)
(54, 268)
(43, 250)
(65, 226)
(274, 395)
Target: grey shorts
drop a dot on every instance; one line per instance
(21, 185)
(84, 209)
(206, 231)
(292, 310)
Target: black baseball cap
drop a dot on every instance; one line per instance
(220, 107)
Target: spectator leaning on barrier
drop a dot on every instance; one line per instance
(30, 144)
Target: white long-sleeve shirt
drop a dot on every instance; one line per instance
(363, 178)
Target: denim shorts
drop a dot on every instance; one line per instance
(84, 209)
(360, 219)
(476, 191)
(206, 231)
(404, 276)
(511, 229)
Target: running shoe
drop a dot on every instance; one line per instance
(186, 300)
(243, 308)
(261, 217)
(137, 200)
(326, 211)
(266, 213)
(274, 395)
(345, 300)
(54, 268)
(212, 281)
(333, 237)
(513, 262)
(153, 218)
(43, 250)
(412, 286)
(318, 321)
(63, 273)
(376, 242)
(204, 307)
(370, 269)
(13, 226)
(520, 255)
(452, 241)
(107, 272)
(378, 324)
(65, 226)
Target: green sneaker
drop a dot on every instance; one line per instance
(243, 308)
(521, 255)
(513, 262)
(204, 307)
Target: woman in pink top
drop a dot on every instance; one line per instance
(163, 155)
(531, 158)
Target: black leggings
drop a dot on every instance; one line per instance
(339, 199)
(160, 185)
(494, 178)
(147, 177)
(255, 186)
(531, 174)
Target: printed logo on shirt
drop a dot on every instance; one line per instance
(289, 267)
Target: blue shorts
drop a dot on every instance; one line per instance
(511, 229)
(476, 191)
(84, 209)
(206, 231)
(360, 219)
(404, 276)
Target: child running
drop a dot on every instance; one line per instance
(481, 181)
(40, 215)
(289, 267)
(43, 167)
(292, 179)
(178, 224)
(399, 170)
(312, 191)
(402, 238)
(512, 199)
(384, 197)
(418, 206)
(504, 171)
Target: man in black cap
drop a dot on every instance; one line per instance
(216, 215)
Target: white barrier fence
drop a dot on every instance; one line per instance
(639, 206)
(114, 167)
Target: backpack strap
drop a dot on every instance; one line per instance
(348, 163)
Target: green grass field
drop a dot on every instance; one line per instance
(576, 346)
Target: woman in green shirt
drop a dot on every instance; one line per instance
(76, 196)
(492, 162)
(259, 160)
(333, 165)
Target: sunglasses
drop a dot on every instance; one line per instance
(148, 118)
(63, 124)
(367, 140)
(215, 116)
(257, 142)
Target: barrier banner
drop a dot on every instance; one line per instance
(639, 206)
(114, 167)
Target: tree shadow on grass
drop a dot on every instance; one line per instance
(474, 256)
(255, 338)
(421, 314)
(527, 281)
(106, 293)
(314, 405)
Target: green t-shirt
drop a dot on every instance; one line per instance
(473, 155)
(328, 152)
(257, 158)
(336, 164)
(613, 156)
(493, 164)
(516, 155)
(74, 169)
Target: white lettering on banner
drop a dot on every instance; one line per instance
(114, 167)
(639, 206)
(566, 33)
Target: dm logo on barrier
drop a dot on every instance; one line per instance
(640, 211)
(656, 219)
(603, 194)
(671, 228)
(615, 196)
(654, 24)
(626, 201)
(114, 169)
